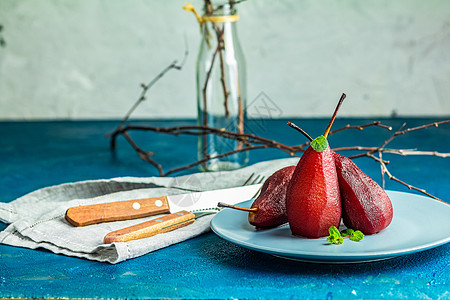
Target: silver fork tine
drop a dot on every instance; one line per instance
(248, 179)
(260, 179)
(254, 180)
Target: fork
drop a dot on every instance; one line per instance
(250, 181)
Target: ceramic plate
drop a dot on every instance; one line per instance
(419, 223)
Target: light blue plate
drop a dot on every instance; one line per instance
(419, 223)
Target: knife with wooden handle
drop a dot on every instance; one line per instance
(138, 208)
(150, 228)
(153, 227)
(116, 211)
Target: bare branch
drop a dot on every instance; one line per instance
(386, 171)
(253, 142)
(361, 127)
(146, 87)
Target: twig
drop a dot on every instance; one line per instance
(253, 142)
(144, 155)
(219, 34)
(383, 181)
(146, 87)
(384, 170)
(208, 158)
(403, 152)
(434, 124)
(221, 46)
(361, 127)
(196, 130)
(391, 137)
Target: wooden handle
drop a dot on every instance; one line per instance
(150, 228)
(116, 211)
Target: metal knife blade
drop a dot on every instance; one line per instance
(138, 208)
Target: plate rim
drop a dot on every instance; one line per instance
(333, 257)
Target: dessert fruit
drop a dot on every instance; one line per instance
(365, 204)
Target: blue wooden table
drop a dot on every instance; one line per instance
(39, 154)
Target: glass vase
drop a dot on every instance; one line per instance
(221, 89)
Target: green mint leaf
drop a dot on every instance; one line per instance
(334, 232)
(347, 232)
(356, 236)
(335, 236)
(337, 240)
(319, 144)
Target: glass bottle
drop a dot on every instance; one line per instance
(221, 88)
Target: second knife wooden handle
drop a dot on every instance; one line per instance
(151, 228)
(116, 211)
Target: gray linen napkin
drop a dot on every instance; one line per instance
(37, 219)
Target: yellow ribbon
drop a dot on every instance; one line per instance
(216, 19)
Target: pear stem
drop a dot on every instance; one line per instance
(300, 130)
(221, 204)
(327, 131)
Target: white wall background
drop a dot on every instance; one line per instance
(86, 59)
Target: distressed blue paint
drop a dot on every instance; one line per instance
(36, 155)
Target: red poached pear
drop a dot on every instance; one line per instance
(313, 202)
(365, 204)
(271, 202)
